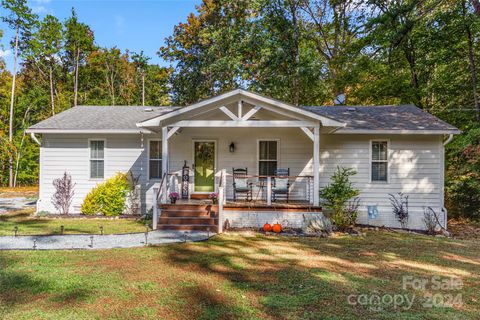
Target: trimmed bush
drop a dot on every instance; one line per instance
(341, 197)
(107, 198)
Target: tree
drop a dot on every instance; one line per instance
(471, 57)
(335, 28)
(79, 42)
(22, 20)
(210, 50)
(141, 63)
(118, 75)
(44, 49)
(476, 5)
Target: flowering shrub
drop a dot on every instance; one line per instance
(213, 196)
(173, 195)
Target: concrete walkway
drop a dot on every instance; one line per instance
(85, 241)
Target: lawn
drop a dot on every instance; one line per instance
(28, 224)
(244, 276)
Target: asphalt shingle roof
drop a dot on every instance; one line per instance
(401, 117)
(101, 118)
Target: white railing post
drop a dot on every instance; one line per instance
(220, 209)
(269, 191)
(155, 209)
(224, 184)
(310, 190)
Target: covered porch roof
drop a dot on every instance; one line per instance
(239, 108)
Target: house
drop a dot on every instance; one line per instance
(393, 149)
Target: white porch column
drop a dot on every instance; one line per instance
(165, 161)
(316, 165)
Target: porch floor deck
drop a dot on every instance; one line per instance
(256, 205)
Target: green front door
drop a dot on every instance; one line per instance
(204, 165)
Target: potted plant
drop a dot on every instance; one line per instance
(214, 197)
(173, 197)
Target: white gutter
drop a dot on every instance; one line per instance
(390, 131)
(93, 131)
(34, 138)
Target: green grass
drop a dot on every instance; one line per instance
(28, 224)
(239, 276)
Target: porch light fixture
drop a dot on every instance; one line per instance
(232, 147)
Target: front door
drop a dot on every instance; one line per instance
(204, 159)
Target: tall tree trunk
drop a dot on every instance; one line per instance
(409, 51)
(295, 52)
(12, 99)
(143, 88)
(17, 161)
(472, 62)
(52, 91)
(75, 85)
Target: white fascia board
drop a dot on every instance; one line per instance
(93, 131)
(421, 132)
(327, 122)
(243, 124)
(155, 122)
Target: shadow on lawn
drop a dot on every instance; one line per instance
(305, 278)
(20, 286)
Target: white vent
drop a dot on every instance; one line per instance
(148, 109)
(352, 109)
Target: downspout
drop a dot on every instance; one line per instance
(449, 139)
(444, 210)
(34, 138)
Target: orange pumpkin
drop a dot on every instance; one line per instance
(267, 227)
(277, 228)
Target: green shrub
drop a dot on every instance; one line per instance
(340, 197)
(107, 198)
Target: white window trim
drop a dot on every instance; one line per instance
(104, 159)
(257, 164)
(371, 160)
(148, 159)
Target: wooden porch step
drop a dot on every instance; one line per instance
(187, 221)
(186, 227)
(187, 213)
(181, 206)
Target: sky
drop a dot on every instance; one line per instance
(128, 24)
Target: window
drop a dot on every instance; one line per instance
(155, 159)
(380, 161)
(267, 157)
(97, 159)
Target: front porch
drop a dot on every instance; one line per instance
(204, 215)
(203, 147)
